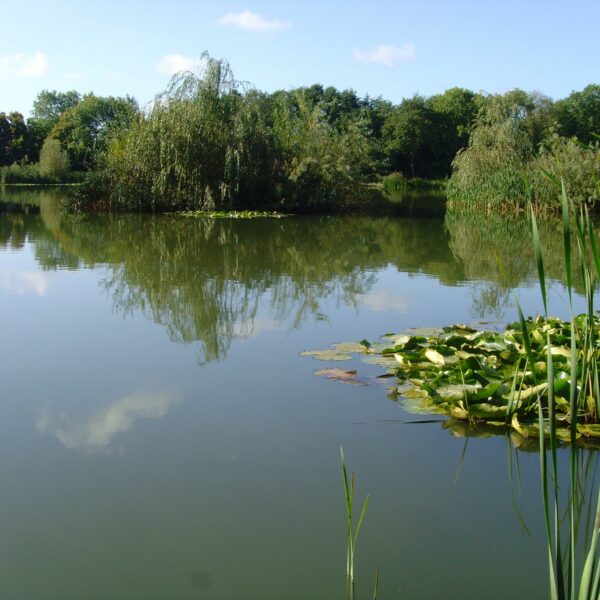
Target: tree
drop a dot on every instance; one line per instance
(453, 118)
(54, 162)
(50, 105)
(407, 133)
(85, 128)
(13, 138)
(579, 114)
(47, 109)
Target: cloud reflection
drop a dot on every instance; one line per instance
(385, 300)
(97, 432)
(25, 282)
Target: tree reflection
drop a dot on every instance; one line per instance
(204, 280)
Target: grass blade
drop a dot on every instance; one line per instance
(567, 241)
(586, 586)
(539, 259)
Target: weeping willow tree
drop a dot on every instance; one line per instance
(210, 142)
(204, 144)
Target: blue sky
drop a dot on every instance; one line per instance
(383, 48)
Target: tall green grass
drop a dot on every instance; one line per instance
(571, 576)
(352, 529)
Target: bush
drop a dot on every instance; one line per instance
(394, 182)
(490, 173)
(576, 164)
(54, 162)
(31, 174)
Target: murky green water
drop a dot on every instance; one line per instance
(161, 437)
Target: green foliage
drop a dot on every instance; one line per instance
(352, 529)
(47, 109)
(211, 143)
(407, 132)
(25, 174)
(490, 173)
(577, 165)
(394, 182)
(32, 175)
(322, 165)
(579, 114)
(85, 128)
(13, 138)
(53, 160)
(500, 171)
(207, 144)
(49, 106)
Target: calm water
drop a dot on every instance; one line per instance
(161, 437)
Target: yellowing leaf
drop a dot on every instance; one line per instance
(434, 356)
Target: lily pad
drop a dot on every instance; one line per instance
(330, 354)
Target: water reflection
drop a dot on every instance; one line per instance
(496, 254)
(204, 280)
(98, 431)
(24, 282)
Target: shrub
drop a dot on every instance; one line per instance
(54, 162)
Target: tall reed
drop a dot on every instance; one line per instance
(569, 577)
(349, 489)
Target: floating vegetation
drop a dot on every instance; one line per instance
(233, 214)
(486, 377)
(341, 351)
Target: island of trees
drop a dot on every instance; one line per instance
(209, 142)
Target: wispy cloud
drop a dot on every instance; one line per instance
(175, 63)
(387, 55)
(252, 22)
(20, 66)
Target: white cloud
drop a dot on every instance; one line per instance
(175, 63)
(19, 66)
(98, 431)
(387, 55)
(253, 22)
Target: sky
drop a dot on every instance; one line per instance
(388, 48)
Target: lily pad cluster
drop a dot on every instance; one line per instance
(234, 214)
(488, 376)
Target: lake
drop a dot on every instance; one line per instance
(162, 437)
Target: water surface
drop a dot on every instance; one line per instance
(161, 437)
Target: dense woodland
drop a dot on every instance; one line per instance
(210, 142)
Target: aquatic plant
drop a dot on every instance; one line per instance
(566, 578)
(349, 489)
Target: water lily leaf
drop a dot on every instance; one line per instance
(421, 406)
(387, 361)
(341, 375)
(414, 392)
(484, 410)
(425, 331)
(589, 430)
(460, 328)
(350, 347)
(455, 392)
(326, 355)
(557, 351)
(459, 412)
(435, 357)
(402, 340)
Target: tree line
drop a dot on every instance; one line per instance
(210, 142)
